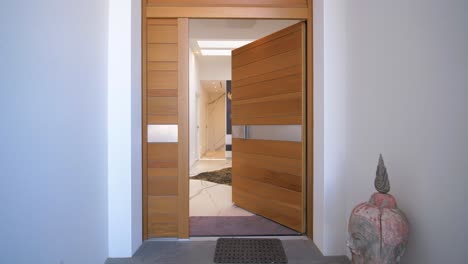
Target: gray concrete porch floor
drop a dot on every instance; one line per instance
(298, 251)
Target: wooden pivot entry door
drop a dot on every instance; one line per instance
(268, 95)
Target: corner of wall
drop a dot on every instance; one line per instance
(318, 206)
(124, 128)
(137, 203)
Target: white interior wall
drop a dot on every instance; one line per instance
(215, 67)
(216, 121)
(394, 82)
(124, 128)
(194, 91)
(137, 202)
(203, 100)
(53, 136)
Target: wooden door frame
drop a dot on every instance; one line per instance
(183, 13)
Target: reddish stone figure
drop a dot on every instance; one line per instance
(378, 230)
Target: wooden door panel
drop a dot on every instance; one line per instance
(279, 85)
(282, 149)
(275, 44)
(285, 120)
(269, 191)
(279, 212)
(269, 109)
(273, 63)
(284, 165)
(268, 89)
(280, 179)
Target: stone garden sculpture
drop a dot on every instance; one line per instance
(378, 230)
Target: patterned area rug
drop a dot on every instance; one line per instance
(237, 226)
(223, 176)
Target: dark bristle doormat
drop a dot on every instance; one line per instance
(222, 176)
(249, 250)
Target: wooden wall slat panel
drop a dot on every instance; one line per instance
(162, 151)
(162, 105)
(168, 172)
(162, 34)
(163, 52)
(162, 164)
(158, 205)
(165, 92)
(162, 66)
(238, 3)
(161, 225)
(162, 80)
(161, 119)
(162, 93)
(162, 185)
(162, 216)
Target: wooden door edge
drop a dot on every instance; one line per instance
(183, 152)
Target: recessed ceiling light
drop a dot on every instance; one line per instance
(222, 44)
(215, 52)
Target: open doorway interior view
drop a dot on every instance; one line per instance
(212, 211)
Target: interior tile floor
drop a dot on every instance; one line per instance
(218, 154)
(205, 165)
(213, 199)
(298, 251)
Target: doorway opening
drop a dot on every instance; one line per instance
(211, 206)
